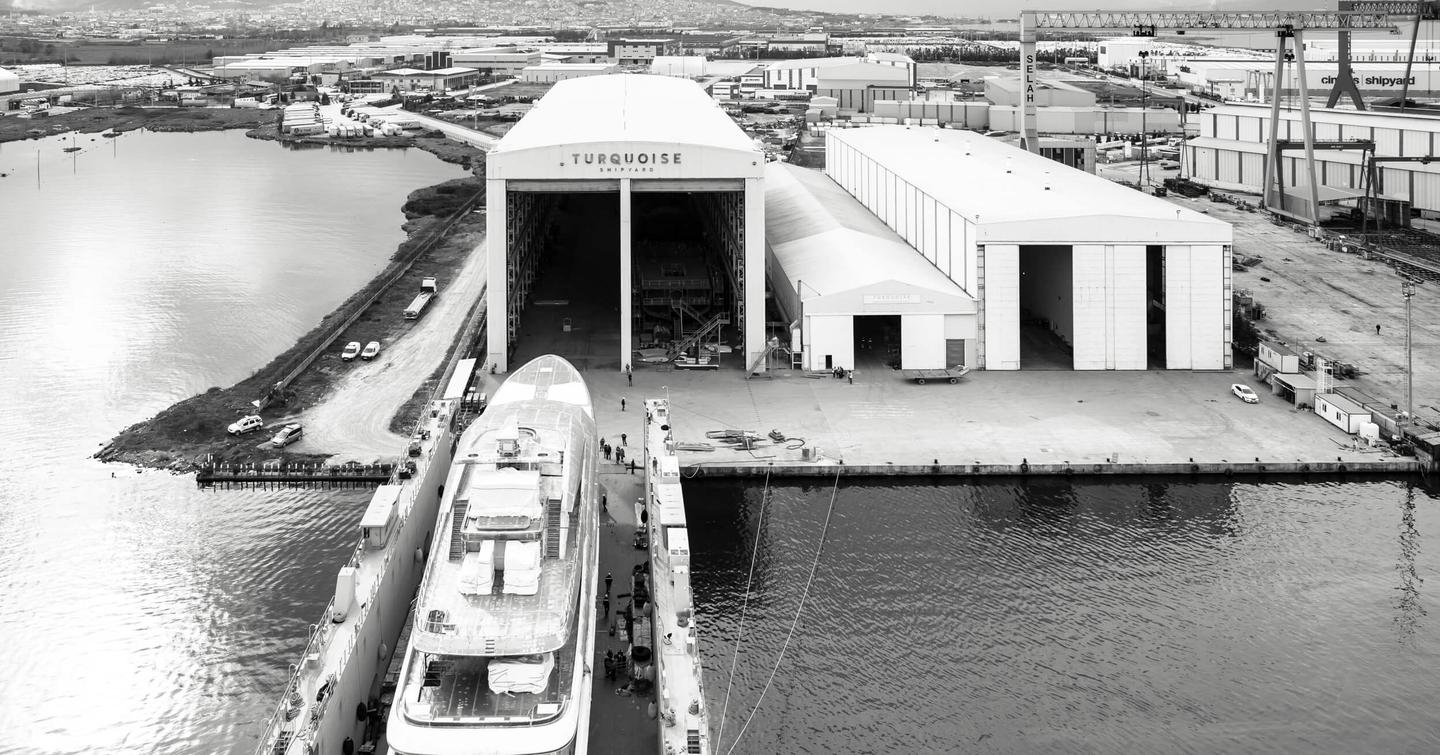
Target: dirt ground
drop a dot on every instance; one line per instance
(1310, 292)
(92, 120)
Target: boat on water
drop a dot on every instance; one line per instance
(498, 657)
(342, 668)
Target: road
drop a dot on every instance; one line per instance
(457, 132)
(353, 420)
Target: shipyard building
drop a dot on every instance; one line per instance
(631, 218)
(1032, 264)
(643, 204)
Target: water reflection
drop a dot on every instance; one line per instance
(1056, 616)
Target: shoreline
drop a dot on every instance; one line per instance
(180, 437)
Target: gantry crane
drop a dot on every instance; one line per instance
(1287, 25)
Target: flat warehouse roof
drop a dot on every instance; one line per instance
(1012, 195)
(626, 108)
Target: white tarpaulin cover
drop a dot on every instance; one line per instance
(477, 571)
(522, 673)
(522, 567)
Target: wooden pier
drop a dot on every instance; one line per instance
(295, 474)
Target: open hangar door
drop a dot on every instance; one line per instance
(687, 259)
(566, 276)
(1047, 305)
(570, 254)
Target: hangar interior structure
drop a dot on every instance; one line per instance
(1052, 267)
(625, 211)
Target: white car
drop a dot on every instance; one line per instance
(371, 351)
(351, 351)
(245, 424)
(1244, 393)
(289, 435)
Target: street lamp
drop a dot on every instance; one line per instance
(1144, 135)
(1407, 290)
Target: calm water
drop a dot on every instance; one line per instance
(137, 614)
(1168, 617)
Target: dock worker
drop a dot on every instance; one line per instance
(622, 403)
(608, 580)
(623, 438)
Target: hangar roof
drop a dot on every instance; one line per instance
(1012, 195)
(823, 236)
(626, 108)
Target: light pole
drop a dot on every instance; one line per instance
(1144, 135)
(1407, 290)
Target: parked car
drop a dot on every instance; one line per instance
(1244, 393)
(245, 424)
(371, 351)
(351, 351)
(288, 435)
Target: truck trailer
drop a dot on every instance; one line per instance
(428, 290)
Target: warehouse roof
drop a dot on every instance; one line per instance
(1010, 194)
(821, 235)
(626, 108)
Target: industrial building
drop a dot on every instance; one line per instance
(853, 285)
(1069, 270)
(497, 62)
(9, 82)
(806, 73)
(410, 79)
(640, 52)
(1230, 152)
(662, 195)
(549, 73)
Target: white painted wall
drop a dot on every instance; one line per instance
(1208, 300)
(1127, 323)
(833, 335)
(922, 342)
(1002, 307)
(1196, 306)
(1110, 307)
(1178, 296)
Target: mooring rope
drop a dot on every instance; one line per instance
(740, 631)
(793, 623)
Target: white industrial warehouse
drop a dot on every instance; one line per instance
(1118, 279)
(635, 136)
(1230, 152)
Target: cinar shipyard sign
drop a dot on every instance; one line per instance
(625, 162)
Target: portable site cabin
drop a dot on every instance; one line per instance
(1341, 412)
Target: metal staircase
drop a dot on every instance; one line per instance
(710, 326)
(771, 348)
(552, 528)
(457, 523)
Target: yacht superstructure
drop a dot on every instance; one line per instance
(504, 628)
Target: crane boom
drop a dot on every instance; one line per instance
(1382, 18)
(1351, 15)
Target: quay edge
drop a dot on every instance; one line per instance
(1388, 467)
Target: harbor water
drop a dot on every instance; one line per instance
(1056, 616)
(142, 615)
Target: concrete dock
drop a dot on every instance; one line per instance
(1040, 422)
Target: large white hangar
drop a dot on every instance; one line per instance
(633, 206)
(1070, 270)
(854, 286)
